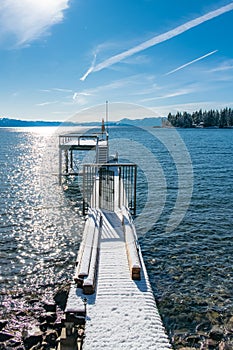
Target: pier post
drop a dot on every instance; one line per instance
(71, 159)
(60, 166)
(67, 161)
(135, 189)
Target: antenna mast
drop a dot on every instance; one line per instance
(107, 116)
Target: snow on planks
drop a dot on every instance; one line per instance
(123, 312)
(87, 261)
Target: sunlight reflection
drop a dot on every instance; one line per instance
(39, 130)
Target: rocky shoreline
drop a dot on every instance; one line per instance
(33, 321)
(29, 321)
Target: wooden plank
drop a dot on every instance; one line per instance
(85, 255)
(90, 282)
(81, 247)
(77, 280)
(132, 252)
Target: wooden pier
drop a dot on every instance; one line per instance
(110, 303)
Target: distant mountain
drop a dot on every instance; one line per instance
(8, 122)
(149, 121)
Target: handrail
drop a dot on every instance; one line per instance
(64, 138)
(110, 190)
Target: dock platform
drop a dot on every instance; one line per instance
(110, 303)
(122, 313)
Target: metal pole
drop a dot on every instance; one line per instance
(84, 194)
(60, 165)
(67, 161)
(135, 189)
(119, 191)
(107, 116)
(71, 159)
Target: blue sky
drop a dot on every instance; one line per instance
(59, 57)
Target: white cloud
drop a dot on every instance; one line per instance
(47, 103)
(27, 20)
(225, 66)
(158, 39)
(62, 90)
(80, 98)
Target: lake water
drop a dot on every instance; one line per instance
(184, 182)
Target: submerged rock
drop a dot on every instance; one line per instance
(49, 307)
(51, 337)
(3, 323)
(61, 296)
(33, 339)
(211, 344)
(14, 343)
(216, 333)
(48, 317)
(43, 326)
(4, 336)
(229, 324)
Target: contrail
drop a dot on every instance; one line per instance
(191, 62)
(158, 39)
(91, 69)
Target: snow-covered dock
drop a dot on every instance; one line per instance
(110, 303)
(121, 313)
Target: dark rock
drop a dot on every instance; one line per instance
(17, 295)
(216, 333)
(49, 317)
(50, 307)
(225, 345)
(21, 313)
(43, 326)
(42, 318)
(61, 296)
(204, 326)
(57, 326)
(211, 344)
(213, 316)
(37, 347)
(192, 340)
(34, 339)
(33, 301)
(51, 337)
(229, 325)
(13, 343)
(4, 336)
(45, 346)
(3, 323)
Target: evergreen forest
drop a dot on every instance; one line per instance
(206, 119)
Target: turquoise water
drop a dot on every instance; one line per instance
(189, 263)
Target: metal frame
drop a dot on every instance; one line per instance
(114, 181)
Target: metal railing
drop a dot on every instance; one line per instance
(77, 137)
(109, 186)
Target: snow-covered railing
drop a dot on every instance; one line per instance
(109, 186)
(131, 246)
(78, 138)
(87, 260)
